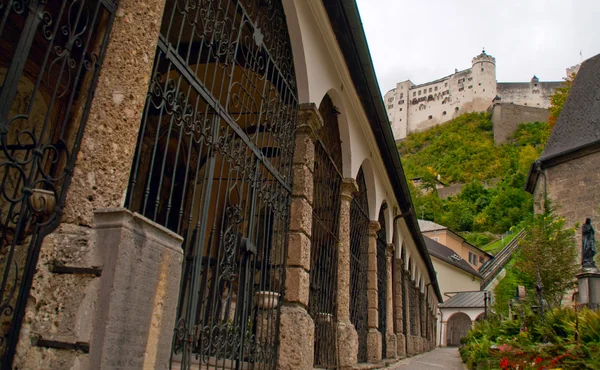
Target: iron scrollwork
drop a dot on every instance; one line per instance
(50, 55)
(213, 164)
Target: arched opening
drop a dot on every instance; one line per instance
(457, 327)
(382, 277)
(413, 301)
(359, 245)
(324, 236)
(480, 317)
(213, 164)
(50, 56)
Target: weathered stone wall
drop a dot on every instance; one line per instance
(574, 188)
(532, 94)
(507, 117)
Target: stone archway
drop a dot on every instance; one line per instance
(458, 326)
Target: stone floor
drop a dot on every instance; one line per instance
(440, 358)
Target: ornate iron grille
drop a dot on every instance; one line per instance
(382, 279)
(359, 245)
(324, 238)
(213, 163)
(50, 55)
(421, 313)
(405, 306)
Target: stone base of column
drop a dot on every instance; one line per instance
(588, 281)
(138, 291)
(374, 346)
(418, 345)
(347, 344)
(400, 345)
(296, 339)
(391, 350)
(410, 345)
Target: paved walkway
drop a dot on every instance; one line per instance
(438, 359)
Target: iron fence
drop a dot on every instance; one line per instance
(50, 55)
(382, 279)
(213, 163)
(324, 237)
(359, 245)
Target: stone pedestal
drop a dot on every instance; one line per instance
(296, 339)
(588, 281)
(347, 344)
(400, 345)
(139, 289)
(391, 346)
(374, 346)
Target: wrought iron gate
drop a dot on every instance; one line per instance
(359, 245)
(382, 280)
(50, 55)
(213, 163)
(324, 238)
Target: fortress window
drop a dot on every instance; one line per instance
(470, 87)
(443, 113)
(430, 117)
(390, 106)
(446, 84)
(430, 89)
(456, 109)
(391, 99)
(461, 88)
(481, 69)
(414, 93)
(470, 78)
(401, 95)
(400, 109)
(480, 84)
(419, 92)
(400, 120)
(436, 88)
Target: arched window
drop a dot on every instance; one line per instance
(359, 245)
(213, 163)
(324, 236)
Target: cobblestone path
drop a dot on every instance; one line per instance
(438, 359)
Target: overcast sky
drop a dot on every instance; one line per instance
(425, 40)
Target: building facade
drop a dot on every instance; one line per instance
(568, 171)
(202, 185)
(413, 108)
(465, 250)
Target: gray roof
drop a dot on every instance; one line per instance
(579, 122)
(425, 226)
(465, 300)
(448, 255)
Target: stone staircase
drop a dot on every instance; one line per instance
(493, 268)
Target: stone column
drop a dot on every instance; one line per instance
(410, 342)
(390, 336)
(297, 329)
(347, 336)
(399, 309)
(99, 181)
(374, 336)
(419, 313)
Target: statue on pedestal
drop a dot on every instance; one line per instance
(588, 248)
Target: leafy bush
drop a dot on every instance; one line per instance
(534, 343)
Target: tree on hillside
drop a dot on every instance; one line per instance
(548, 249)
(558, 99)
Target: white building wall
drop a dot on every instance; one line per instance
(453, 279)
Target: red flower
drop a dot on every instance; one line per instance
(538, 360)
(504, 363)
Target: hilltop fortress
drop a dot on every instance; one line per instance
(413, 107)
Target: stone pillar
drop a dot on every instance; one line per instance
(139, 287)
(419, 312)
(399, 309)
(588, 281)
(374, 336)
(390, 336)
(347, 336)
(410, 342)
(67, 300)
(297, 329)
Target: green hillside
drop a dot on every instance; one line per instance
(463, 151)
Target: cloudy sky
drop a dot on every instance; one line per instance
(425, 40)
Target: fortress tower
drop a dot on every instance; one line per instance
(414, 108)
